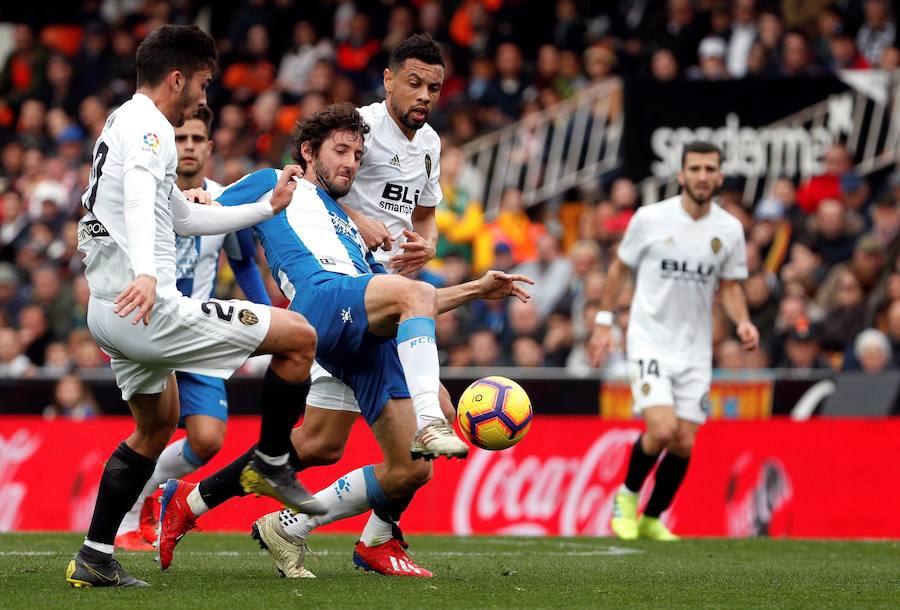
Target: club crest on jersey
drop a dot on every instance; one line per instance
(247, 317)
(427, 165)
(716, 245)
(151, 141)
(645, 389)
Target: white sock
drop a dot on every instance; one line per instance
(419, 358)
(196, 502)
(352, 494)
(176, 461)
(99, 546)
(277, 460)
(377, 531)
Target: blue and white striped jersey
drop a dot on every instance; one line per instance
(312, 237)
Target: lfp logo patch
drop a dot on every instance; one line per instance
(151, 140)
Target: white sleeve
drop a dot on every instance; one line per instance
(140, 219)
(147, 148)
(634, 242)
(735, 266)
(432, 194)
(194, 219)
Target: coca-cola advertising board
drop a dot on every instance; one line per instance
(820, 478)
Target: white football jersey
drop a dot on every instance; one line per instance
(197, 258)
(396, 175)
(678, 261)
(136, 134)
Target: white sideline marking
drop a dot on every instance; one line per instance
(608, 551)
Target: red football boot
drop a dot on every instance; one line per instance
(149, 522)
(133, 541)
(175, 518)
(389, 558)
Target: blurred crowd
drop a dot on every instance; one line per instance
(824, 286)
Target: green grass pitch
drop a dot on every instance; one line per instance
(229, 571)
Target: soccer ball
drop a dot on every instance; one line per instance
(494, 413)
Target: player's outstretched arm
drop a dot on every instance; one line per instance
(735, 304)
(492, 285)
(192, 218)
(600, 342)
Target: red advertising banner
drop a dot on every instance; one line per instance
(821, 478)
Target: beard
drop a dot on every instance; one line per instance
(327, 181)
(187, 106)
(407, 120)
(695, 197)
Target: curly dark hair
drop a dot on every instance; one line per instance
(418, 46)
(174, 47)
(318, 127)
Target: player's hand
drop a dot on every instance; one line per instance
(499, 285)
(748, 335)
(140, 294)
(198, 196)
(417, 251)
(375, 234)
(284, 189)
(600, 344)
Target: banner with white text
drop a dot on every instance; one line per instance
(820, 478)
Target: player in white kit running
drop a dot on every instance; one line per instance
(203, 400)
(680, 249)
(128, 238)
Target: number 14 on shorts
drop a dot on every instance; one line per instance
(648, 367)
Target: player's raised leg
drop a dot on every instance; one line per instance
(125, 474)
(397, 305)
(292, 342)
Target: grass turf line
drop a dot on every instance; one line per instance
(219, 571)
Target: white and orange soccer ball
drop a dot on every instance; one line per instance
(494, 413)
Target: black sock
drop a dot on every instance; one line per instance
(226, 482)
(282, 403)
(124, 476)
(669, 476)
(639, 465)
(390, 513)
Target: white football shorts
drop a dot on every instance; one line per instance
(667, 382)
(329, 392)
(205, 337)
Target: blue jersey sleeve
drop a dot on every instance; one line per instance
(250, 188)
(241, 251)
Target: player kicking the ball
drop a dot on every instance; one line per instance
(128, 238)
(681, 248)
(323, 265)
(203, 401)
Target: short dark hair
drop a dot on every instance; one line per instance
(418, 46)
(185, 48)
(205, 115)
(702, 147)
(317, 128)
